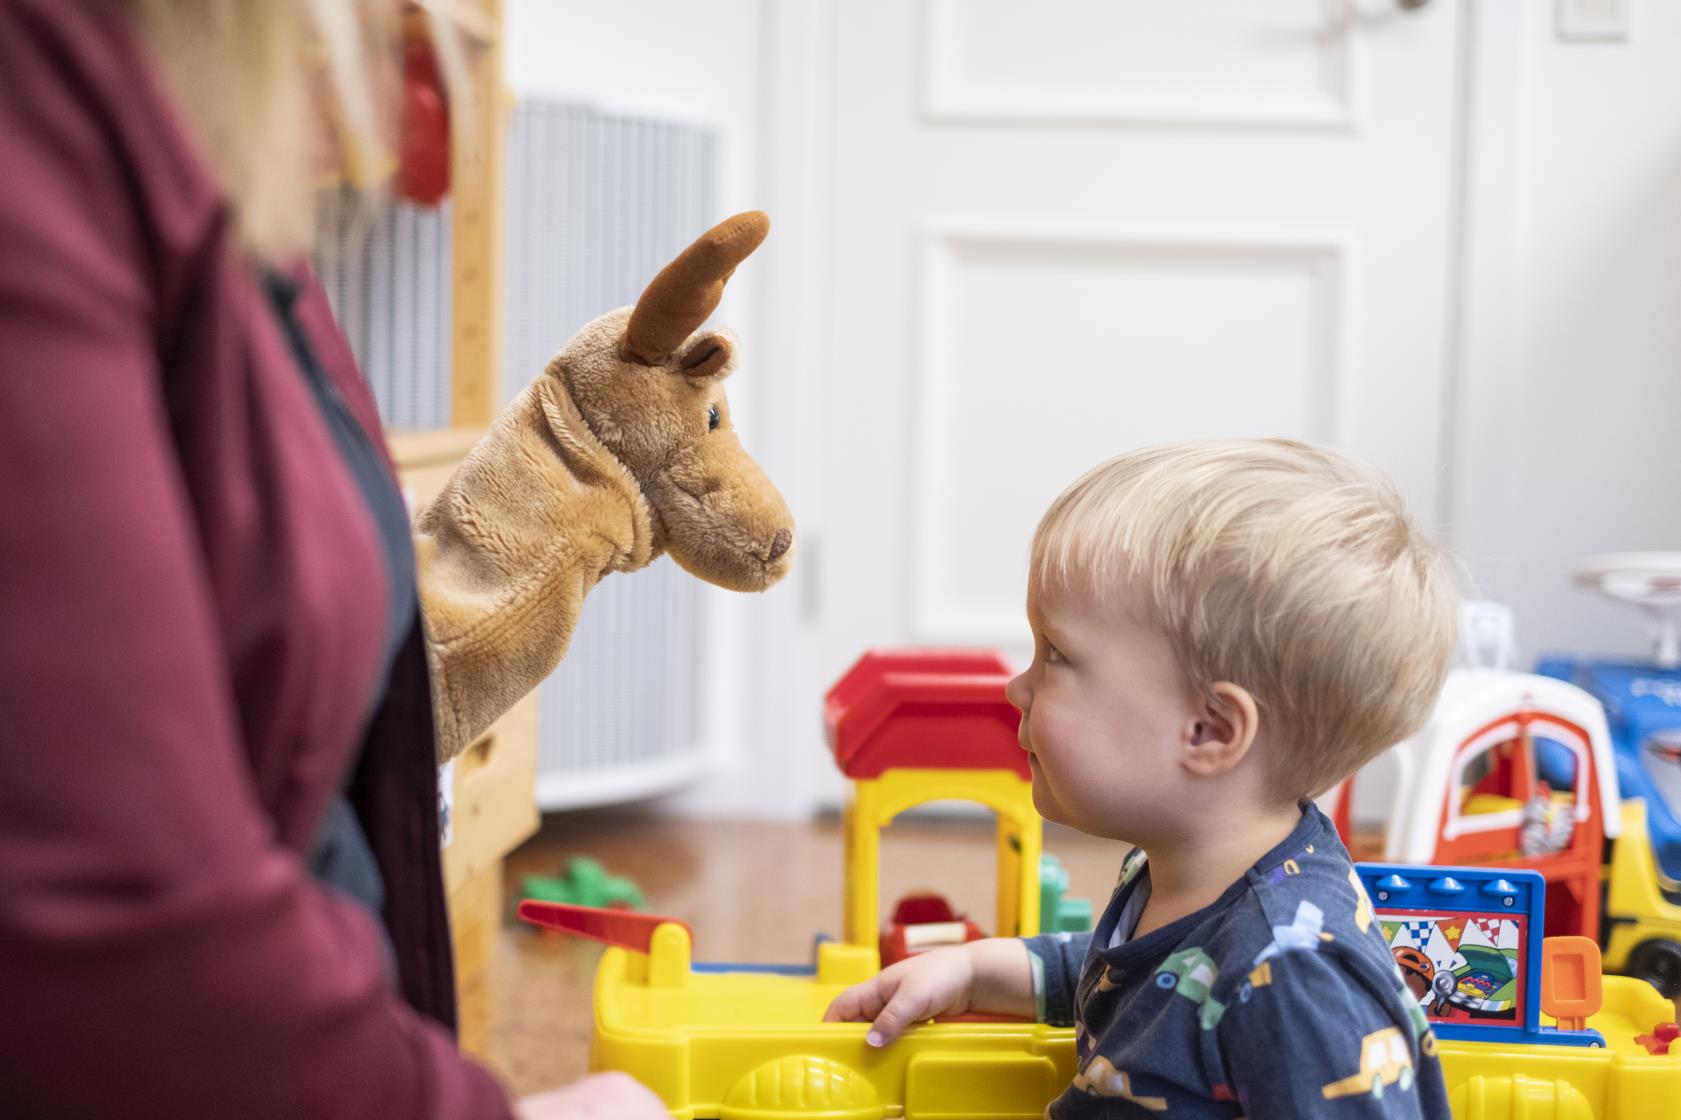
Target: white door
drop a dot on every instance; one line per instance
(1073, 227)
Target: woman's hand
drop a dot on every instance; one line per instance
(601, 1096)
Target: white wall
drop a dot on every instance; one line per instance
(692, 61)
(1570, 415)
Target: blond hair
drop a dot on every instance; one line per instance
(1287, 569)
(267, 86)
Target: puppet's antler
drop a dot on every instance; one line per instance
(688, 289)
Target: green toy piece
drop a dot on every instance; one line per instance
(586, 883)
(1056, 913)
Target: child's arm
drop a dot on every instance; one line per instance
(1314, 1030)
(1056, 960)
(990, 975)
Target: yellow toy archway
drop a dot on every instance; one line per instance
(874, 802)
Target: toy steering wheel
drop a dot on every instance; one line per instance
(1651, 581)
(1444, 988)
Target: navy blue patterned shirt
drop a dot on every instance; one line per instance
(1279, 1000)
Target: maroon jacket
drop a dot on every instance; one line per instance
(191, 614)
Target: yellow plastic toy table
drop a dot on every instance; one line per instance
(1621, 1081)
(751, 1045)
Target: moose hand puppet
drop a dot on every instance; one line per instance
(621, 450)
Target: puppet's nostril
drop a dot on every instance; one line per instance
(783, 541)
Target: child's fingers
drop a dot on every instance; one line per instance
(843, 1008)
(861, 1001)
(909, 1004)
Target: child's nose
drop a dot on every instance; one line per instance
(1017, 692)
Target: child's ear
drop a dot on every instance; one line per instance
(1223, 731)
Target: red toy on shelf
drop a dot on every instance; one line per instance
(921, 922)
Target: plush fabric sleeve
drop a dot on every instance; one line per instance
(1056, 959)
(161, 955)
(1318, 1033)
(534, 517)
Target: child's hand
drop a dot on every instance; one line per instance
(602, 1096)
(937, 982)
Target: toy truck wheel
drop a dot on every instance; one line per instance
(1658, 962)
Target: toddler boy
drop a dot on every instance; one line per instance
(1221, 631)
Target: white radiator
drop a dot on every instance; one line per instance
(386, 268)
(596, 204)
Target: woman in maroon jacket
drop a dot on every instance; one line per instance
(219, 881)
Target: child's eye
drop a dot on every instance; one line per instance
(1053, 656)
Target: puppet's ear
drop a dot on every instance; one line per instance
(711, 355)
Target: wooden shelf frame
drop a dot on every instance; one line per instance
(478, 21)
(478, 166)
(494, 781)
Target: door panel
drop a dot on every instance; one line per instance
(1063, 230)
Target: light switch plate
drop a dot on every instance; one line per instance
(1593, 21)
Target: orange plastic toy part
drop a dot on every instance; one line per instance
(1506, 746)
(624, 928)
(1570, 980)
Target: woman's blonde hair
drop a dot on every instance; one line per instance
(268, 86)
(1287, 569)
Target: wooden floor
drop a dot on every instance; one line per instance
(751, 892)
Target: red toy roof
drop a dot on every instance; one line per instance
(936, 709)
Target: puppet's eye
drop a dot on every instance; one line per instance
(713, 419)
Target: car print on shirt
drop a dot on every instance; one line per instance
(1306, 931)
(1384, 1060)
(1192, 972)
(1130, 867)
(1101, 1079)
